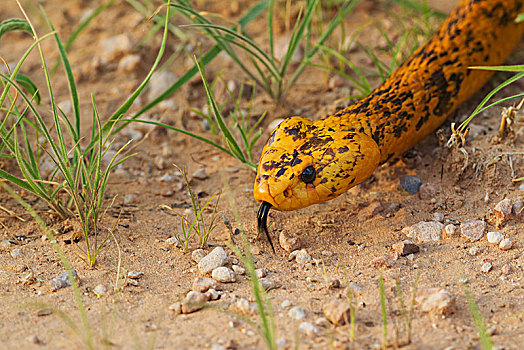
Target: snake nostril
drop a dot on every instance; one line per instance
(288, 192)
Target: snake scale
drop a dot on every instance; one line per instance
(306, 162)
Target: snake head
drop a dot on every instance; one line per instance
(306, 162)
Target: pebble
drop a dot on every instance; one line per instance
(261, 273)
(160, 162)
(129, 63)
(115, 46)
(506, 244)
(203, 284)
(100, 290)
(283, 343)
(193, 301)
(218, 347)
(239, 270)
(212, 294)
(216, 258)
(33, 339)
(129, 199)
(15, 253)
(134, 275)
(198, 254)
(486, 267)
(159, 83)
(491, 330)
(5, 244)
(406, 247)
(495, 237)
(285, 304)
(474, 250)
(281, 48)
(424, 231)
(302, 257)
(200, 174)
(63, 280)
(354, 288)
(267, 284)
(308, 328)
(288, 242)
(166, 178)
(176, 307)
(243, 306)
(517, 207)
(450, 230)
(438, 217)
(66, 106)
(370, 211)
(428, 191)
(333, 283)
(436, 300)
(410, 184)
(337, 312)
(382, 262)
(297, 313)
(507, 269)
(224, 274)
(173, 241)
(473, 229)
(503, 210)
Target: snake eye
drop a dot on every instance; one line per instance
(308, 175)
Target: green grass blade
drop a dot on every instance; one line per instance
(29, 86)
(12, 24)
(514, 68)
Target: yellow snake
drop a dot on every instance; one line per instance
(306, 162)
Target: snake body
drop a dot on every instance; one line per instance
(306, 162)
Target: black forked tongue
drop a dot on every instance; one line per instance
(262, 221)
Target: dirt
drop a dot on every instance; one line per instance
(343, 235)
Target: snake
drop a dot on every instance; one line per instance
(305, 162)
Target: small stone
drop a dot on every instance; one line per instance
(297, 313)
(503, 210)
(436, 300)
(6, 244)
(173, 241)
(160, 162)
(129, 63)
(129, 199)
(473, 229)
(212, 294)
(302, 257)
(193, 301)
(283, 343)
(450, 230)
(218, 347)
(474, 250)
(506, 244)
(261, 273)
(239, 270)
(507, 269)
(100, 290)
(15, 253)
(424, 231)
(438, 217)
(200, 174)
(203, 284)
(495, 237)
(216, 258)
(197, 255)
(166, 178)
(243, 306)
(354, 289)
(115, 46)
(410, 184)
(406, 247)
(33, 339)
(486, 267)
(63, 280)
(428, 191)
(288, 242)
(285, 304)
(176, 307)
(333, 283)
(517, 208)
(370, 211)
(281, 46)
(337, 312)
(491, 330)
(134, 275)
(224, 274)
(382, 262)
(44, 312)
(308, 328)
(160, 82)
(267, 284)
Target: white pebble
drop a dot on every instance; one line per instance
(302, 257)
(308, 328)
(486, 267)
(285, 304)
(216, 258)
(297, 313)
(506, 244)
(224, 274)
(100, 290)
(495, 237)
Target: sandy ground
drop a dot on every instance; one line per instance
(342, 236)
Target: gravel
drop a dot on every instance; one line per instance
(506, 244)
(288, 242)
(224, 274)
(193, 301)
(410, 184)
(337, 311)
(216, 258)
(134, 275)
(486, 267)
(239, 270)
(424, 231)
(197, 255)
(297, 313)
(62, 280)
(495, 237)
(436, 300)
(100, 290)
(302, 257)
(473, 229)
(406, 247)
(308, 328)
(203, 284)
